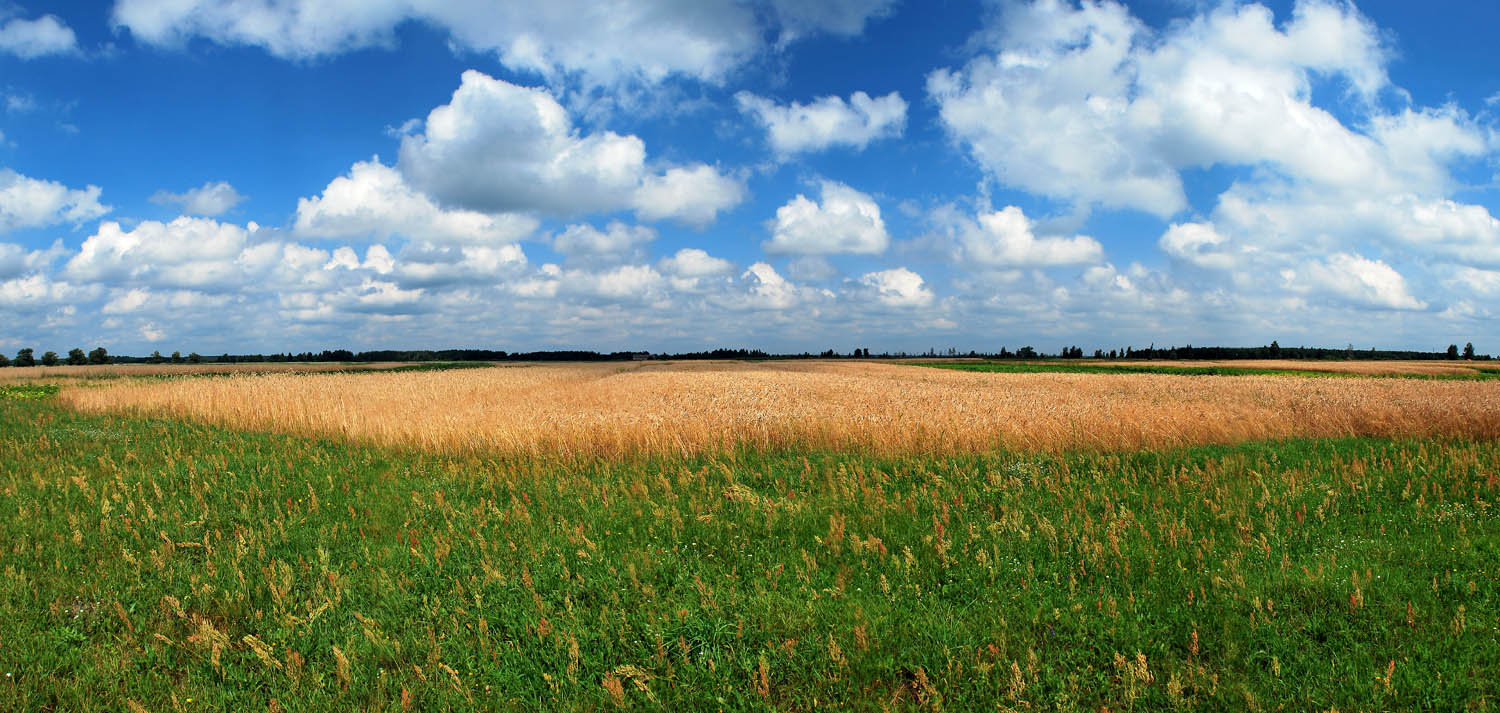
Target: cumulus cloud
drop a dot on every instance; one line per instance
(846, 221)
(1359, 280)
(694, 195)
(827, 122)
(434, 265)
(38, 291)
(498, 147)
(1198, 244)
(616, 239)
(1006, 238)
(210, 199)
(197, 254)
(16, 260)
(769, 289)
(693, 262)
(373, 201)
(597, 41)
(29, 39)
(35, 203)
(1090, 105)
(898, 287)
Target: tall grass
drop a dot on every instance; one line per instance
(163, 565)
(612, 410)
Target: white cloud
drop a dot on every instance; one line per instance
(616, 239)
(35, 203)
(29, 39)
(769, 289)
(374, 202)
(846, 221)
(211, 199)
(501, 147)
(19, 103)
(435, 265)
(35, 291)
(1087, 104)
(827, 122)
(196, 253)
(1196, 243)
(192, 252)
(126, 301)
(16, 260)
(498, 147)
(1365, 282)
(693, 262)
(600, 42)
(694, 195)
(839, 17)
(1278, 219)
(1006, 238)
(899, 287)
(1485, 283)
(623, 282)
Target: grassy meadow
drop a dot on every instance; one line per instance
(153, 558)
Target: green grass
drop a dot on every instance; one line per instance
(27, 392)
(1010, 367)
(181, 567)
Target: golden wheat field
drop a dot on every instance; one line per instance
(669, 408)
(89, 371)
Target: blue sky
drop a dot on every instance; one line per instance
(215, 175)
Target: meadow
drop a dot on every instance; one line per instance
(743, 537)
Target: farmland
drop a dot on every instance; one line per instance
(633, 410)
(783, 536)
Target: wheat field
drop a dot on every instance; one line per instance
(666, 408)
(94, 371)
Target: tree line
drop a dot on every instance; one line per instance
(27, 356)
(76, 357)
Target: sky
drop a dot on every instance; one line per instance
(791, 175)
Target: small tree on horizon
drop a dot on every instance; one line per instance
(76, 357)
(195, 358)
(1469, 350)
(99, 355)
(25, 357)
(49, 359)
(1452, 352)
(176, 357)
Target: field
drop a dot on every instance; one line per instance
(767, 537)
(643, 409)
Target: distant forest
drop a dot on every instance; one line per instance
(27, 357)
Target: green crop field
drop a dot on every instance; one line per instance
(1064, 367)
(162, 565)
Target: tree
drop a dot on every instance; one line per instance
(25, 357)
(1469, 350)
(99, 355)
(4, 360)
(76, 357)
(195, 358)
(1275, 349)
(157, 358)
(1452, 351)
(49, 359)
(176, 357)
